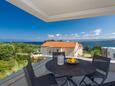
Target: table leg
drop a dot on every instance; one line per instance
(68, 83)
(72, 82)
(64, 83)
(68, 80)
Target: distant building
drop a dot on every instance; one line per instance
(108, 52)
(70, 48)
(36, 55)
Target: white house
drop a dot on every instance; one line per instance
(108, 52)
(70, 48)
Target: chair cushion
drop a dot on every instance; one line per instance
(46, 80)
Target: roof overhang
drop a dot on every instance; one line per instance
(55, 10)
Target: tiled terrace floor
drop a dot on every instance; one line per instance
(111, 77)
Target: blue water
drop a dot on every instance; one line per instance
(36, 43)
(104, 43)
(100, 43)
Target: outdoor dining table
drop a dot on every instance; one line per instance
(69, 70)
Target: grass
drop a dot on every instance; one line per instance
(87, 55)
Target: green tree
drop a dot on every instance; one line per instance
(25, 48)
(96, 50)
(21, 59)
(28, 49)
(87, 48)
(6, 51)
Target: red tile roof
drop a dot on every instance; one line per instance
(60, 44)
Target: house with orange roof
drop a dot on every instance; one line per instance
(70, 48)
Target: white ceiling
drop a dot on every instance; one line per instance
(53, 10)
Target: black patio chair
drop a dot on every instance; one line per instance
(102, 69)
(45, 80)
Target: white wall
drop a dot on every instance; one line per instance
(46, 50)
(68, 51)
(49, 50)
(110, 53)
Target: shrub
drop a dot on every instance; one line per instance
(6, 51)
(6, 65)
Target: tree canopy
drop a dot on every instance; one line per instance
(6, 51)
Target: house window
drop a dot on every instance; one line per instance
(113, 55)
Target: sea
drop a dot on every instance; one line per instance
(99, 43)
(91, 43)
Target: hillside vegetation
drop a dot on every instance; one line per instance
(13, 56)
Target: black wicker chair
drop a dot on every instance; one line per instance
(45, 80)
(102, 69)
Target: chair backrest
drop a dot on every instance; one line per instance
(29, 73)
(101, 63)
(56, 54)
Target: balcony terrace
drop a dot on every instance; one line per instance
(55, 10)
(18, 79)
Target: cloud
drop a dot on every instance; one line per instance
(82, 32)
(50, 36)
(58, 35)
(97, 32)
(75, 35)
(63, 36)
(113, 33)
(93, 34)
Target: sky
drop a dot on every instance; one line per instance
(18, 25)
